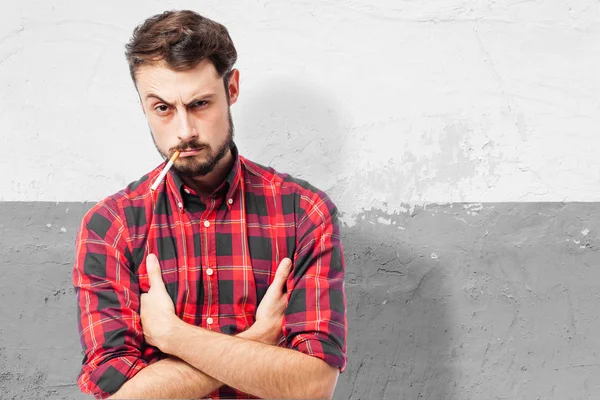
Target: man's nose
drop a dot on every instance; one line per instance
(187, 130)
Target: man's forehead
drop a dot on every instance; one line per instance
(159, 78)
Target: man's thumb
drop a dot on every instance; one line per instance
(154, 274)
(283, 270)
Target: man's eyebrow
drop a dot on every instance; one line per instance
(152, 95)
(199, 97)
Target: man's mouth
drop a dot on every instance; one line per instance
(190, 152)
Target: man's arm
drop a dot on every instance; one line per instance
(108, 301)
(253, 367)
(174, 378)
(108, 296)
(249, 366)
(109, 323)
(315, 321)
(167, 378)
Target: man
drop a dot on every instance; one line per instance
(227, 280)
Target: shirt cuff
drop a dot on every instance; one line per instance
(108, 377)
(319, 345)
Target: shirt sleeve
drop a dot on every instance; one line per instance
(315, 321)
(107, 293)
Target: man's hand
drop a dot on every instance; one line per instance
(269, 314)
(159, 318)
(157, 309)
(217, 359)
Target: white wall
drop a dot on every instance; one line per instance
(382, 106)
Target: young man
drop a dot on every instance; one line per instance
(227, 280)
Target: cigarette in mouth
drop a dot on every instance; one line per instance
(165, 170)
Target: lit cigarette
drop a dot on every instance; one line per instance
(165, 170)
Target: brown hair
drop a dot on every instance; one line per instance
(181, 39)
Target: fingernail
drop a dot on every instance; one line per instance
(151, 262)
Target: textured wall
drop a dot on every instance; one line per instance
(418, 102)
(459, 139)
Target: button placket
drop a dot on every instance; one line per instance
(209, 265)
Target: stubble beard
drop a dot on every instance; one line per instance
(194, 167)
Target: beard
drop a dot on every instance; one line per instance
(193, 166)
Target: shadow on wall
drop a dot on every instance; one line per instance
(293, 128)
(399, 335)
(399, 339)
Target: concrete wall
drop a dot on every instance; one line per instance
(458, 138)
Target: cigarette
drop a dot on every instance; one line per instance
(165, 170)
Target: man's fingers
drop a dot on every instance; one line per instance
(282, 273)
(154, 274)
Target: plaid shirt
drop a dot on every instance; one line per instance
(217, 259)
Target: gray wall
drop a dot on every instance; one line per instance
(498, 300)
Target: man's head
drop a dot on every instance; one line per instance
(182, 66)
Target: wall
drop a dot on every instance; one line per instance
(458, 139)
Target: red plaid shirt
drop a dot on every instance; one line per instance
(217, 261)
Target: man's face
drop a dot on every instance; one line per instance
(188, 111)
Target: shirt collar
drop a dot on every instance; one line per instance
(230, 184)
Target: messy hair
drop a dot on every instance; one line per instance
(181, 40)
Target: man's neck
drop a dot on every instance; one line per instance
(206, 185)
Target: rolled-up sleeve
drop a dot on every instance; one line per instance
(315, 321)
(107, 293)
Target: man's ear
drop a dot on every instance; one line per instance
(233, 86)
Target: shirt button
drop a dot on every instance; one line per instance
(209, 271)
(209, 320)
(187, 191)
(230, 201)
(206, 224)
(180, 205)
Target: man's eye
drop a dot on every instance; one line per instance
(161, 108)
(199, 104)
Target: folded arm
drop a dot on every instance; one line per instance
(253, 367)
(108, 297)
(314, 324)
(174, 378)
